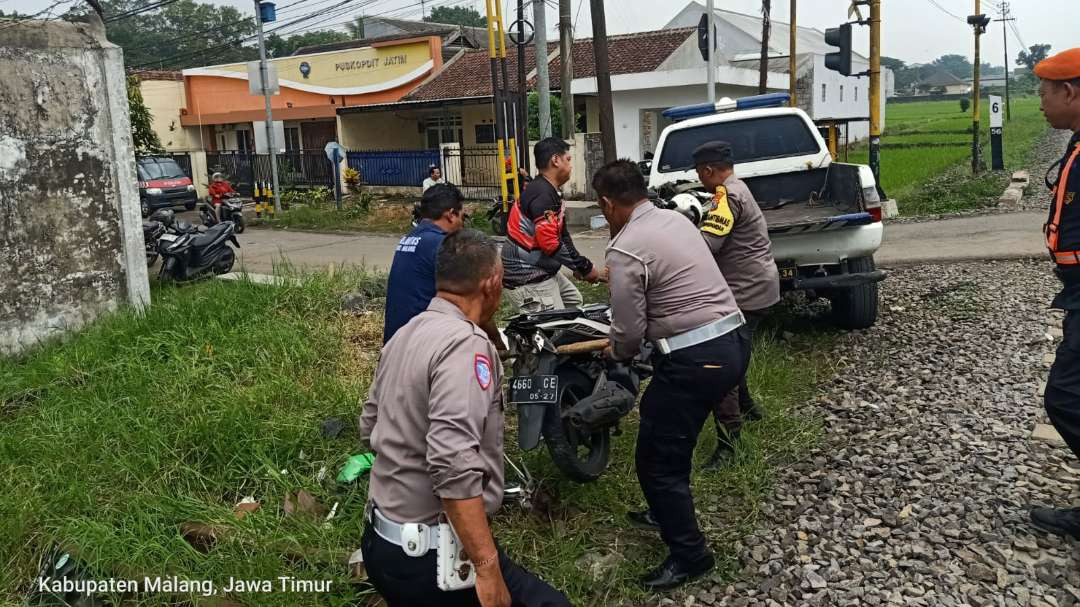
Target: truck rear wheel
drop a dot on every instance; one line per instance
(856, 307)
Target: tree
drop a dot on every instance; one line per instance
(957, 65)
(356, 28)
(763, 68)
(276, 46)
(456, 15)
(965, 103)
(896, 65)
(1033, 55)
(534, 115)
(142, 130)
(183, 34)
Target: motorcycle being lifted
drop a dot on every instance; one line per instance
(566, 391)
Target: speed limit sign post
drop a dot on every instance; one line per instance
(997, 152)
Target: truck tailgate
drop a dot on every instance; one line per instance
(802, 217)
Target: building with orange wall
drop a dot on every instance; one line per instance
(224, 113)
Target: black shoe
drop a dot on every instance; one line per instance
(720, 458)
(1064, 522)
(753, 413)
(674, 573)
(643, 519)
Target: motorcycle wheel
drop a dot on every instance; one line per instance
(240, 222)
(581, 457)
(225, 263)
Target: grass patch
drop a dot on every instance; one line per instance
(932, 178)
(120, 435)
(359, 213)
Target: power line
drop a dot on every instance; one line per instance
(47, 11)
(947, 11)
(138, 11)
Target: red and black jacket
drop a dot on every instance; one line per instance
(538, 241)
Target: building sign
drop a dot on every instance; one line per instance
(346, 72)
(370, 64)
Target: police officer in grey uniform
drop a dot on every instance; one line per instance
(665, 288)
(434, 417)
(738, 237)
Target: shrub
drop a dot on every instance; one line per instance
(965, 103)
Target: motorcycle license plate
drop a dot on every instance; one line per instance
(534, 390)
(168, 237)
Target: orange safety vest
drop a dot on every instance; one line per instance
(1053, 228)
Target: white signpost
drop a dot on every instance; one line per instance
(997, 152)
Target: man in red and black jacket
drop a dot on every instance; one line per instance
(538, 241)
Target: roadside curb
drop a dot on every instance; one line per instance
(1014, 193)
(887, 263)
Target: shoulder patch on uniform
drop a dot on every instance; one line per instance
(720, 220)
(483, 371)
(1070, 197)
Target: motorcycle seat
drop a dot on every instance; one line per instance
(211, 235)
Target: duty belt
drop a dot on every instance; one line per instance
(416, 539)
(700, 335)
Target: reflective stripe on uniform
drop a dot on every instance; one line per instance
(1067, 258)
(1052, 229)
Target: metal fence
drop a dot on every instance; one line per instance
(393, 167)
(184, 160)
(474, 170)
(295, 169)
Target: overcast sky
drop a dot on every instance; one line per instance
(914, 30)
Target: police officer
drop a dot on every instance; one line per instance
(1060, 93)
(411, 283)
(665, 288)
(738, 237)
(434, 417)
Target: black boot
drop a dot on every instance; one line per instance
(725, 450)
(643, 519)
(673, 573)
(1065, 522)
(752, 412)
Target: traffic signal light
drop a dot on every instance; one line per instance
(840, 37)
(979, 22)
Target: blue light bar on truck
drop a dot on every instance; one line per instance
(681, 112)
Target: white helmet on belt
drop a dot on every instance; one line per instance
(690, 207)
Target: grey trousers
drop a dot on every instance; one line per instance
(555, 293)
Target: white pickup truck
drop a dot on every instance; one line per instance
(824, 217)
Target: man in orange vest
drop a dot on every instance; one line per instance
(1060, 93)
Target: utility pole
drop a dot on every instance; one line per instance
(522, 115)
(792, 78)
(711, 55)
(1005, 18)
(543, 80)
(875, 89)
(978, 22)
(566, 76)
(766, 25)
(603, 80)
(269, 112)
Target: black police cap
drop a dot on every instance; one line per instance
(713, 152)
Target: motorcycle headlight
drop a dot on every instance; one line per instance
(191, 188)
(153, 191)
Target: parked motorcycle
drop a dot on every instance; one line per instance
(187, 256)
(152, 230)
(566, 391)
(232, 209)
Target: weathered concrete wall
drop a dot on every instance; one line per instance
(70, 231)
